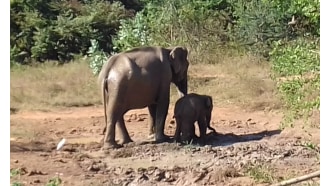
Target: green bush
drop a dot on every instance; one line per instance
(132, 33)
(97, 57)
(196, 24)
(306, 12)
(295, 57)
(51, 30)
(296, 68)
(260, 22)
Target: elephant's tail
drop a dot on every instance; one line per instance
(104, 93)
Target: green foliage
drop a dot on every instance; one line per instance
(261, 22)
(50, 30)
(307, 12)
(296, 57)
(170, 22)
(261, 173)
(57, 30)
(15, 172)
(296, 68)
(258, 24)
(56, 181)
(97, 57)
(16, 184)
(132, 33)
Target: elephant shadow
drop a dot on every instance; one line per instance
(217, 139)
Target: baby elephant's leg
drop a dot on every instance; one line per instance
(177, 134)
(188, 131)
(202, 130)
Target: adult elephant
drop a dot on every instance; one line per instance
(140, 78)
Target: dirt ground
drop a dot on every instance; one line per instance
(249, 149)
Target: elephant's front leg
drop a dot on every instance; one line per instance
(188, 130)
(177, 135)
(122, 127)
(161, 113)
(152, 119)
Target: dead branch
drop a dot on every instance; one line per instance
(298, 179)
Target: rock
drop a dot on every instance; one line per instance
(159, 174)
(142, 178)
(35, 172)
(94, 168)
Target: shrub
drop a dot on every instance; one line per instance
(50, 30)
(296, 68)
(259, 22)
(170, 22)
(96, 57)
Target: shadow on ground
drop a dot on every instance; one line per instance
(213, 139)
(218, 139)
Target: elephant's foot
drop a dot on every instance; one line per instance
(162, 138)
(151, 136)
(201, 141)
(177, 138)
(111, 145)
(126, 140)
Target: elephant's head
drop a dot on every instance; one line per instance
(208, 108)
(179, 65)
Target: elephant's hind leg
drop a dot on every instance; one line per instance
(109, 138)
(124, 132)
(110, 133)
(152, 119)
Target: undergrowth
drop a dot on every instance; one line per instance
(296, 69)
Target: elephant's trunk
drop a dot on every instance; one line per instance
(182, 87)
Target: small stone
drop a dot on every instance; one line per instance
(142, 178)
(167, 175)
(35, 172)
(159, 175)
(94, 168)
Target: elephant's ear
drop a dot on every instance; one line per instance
(177, 56)
(208, 101)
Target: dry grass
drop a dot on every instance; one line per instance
(241, 81)
(48, 85)
(262, 173)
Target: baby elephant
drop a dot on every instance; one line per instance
(189, 109)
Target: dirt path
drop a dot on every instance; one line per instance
(249, 149)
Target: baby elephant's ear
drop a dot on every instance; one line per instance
(208, 101)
